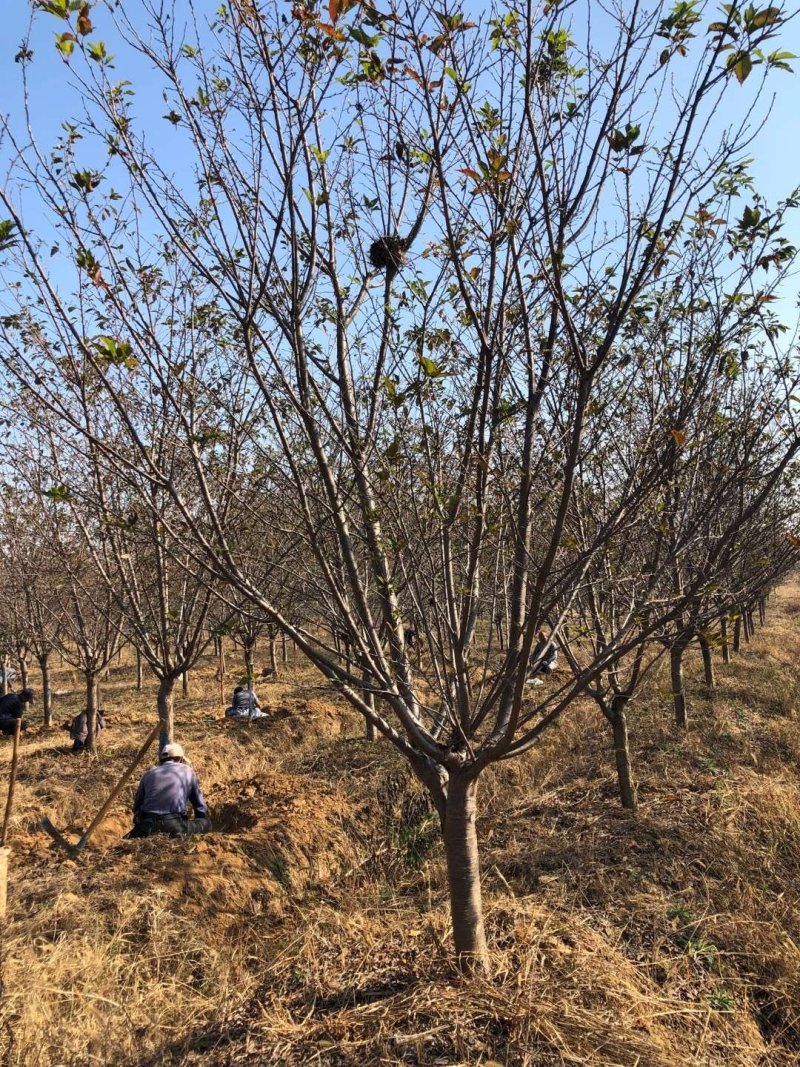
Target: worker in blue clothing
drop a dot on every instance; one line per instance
(164, 793)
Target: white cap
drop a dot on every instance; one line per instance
(172, 751)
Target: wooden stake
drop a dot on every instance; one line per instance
(11, 782)
(4, 854)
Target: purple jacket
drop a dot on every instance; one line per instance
(166, 790)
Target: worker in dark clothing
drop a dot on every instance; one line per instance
(12, 707)
(79, 729)
(244, 705)
(164, 792)
(543, 659)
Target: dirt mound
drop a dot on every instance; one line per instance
(312, 926)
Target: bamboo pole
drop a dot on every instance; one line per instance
(75, 849)
(151, 737)
(5, 852)
(12, 781)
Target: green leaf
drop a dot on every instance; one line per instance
(620, 140)
(59, 8)
(65, 43)
(365, 39)
(97, 52)
(59, 493)
(7, 238)
(118, 353)
(723, 27)
(741, 64)
(779, 60)
(85, 180)
(768, 16)
(430, 368)
(750, 218)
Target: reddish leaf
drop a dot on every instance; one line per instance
(84, 22)
(331, 31)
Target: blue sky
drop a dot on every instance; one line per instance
(776, 150)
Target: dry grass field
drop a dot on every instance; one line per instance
(312, 927)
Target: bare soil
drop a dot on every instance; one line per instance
(312, 927)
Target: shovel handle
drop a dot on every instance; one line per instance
(118, 787)
(11, 782)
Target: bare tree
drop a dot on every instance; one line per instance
(421, 239)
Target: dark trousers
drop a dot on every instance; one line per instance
(172, 825)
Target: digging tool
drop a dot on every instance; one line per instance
(4, 851)
(74, 850)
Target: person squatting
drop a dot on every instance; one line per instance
(12, 707)
(164, 794)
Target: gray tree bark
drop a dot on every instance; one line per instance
(622, 756)
(166, 712)
(678, 689)
(708, 662)
(47, 696)
(91, 711)
(463, 875)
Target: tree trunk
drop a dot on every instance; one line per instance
(248, 659)
(762, 610)
(726, 648)
(138, 669)
(746, 625)
(166, 714)
(221, 662)
(737, 633)
(372, 733)
(47, 696)
(273, 661)
(91, 711)
(678, 690)
(185, 683)
(5, 675)
(708, 663)
(284, 651)
(463, 875)
(622, 755)
(498, 622)
(23, 673)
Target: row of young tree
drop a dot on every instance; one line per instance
(406, 319)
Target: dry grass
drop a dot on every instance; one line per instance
(312, 928)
